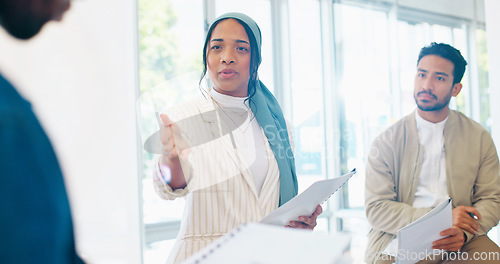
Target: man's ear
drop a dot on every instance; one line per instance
(457, 87)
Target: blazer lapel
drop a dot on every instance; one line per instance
(272, 177)
(220, 131)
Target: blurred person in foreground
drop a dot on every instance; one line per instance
(36, 224)
(430, 155)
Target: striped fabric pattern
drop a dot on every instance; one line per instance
(221, 193)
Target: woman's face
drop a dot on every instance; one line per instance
(228, 58)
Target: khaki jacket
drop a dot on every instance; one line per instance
(393, 168)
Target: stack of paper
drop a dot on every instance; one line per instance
(267, 244)
(306, 202)
(415, 240)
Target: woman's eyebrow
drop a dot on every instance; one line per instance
(242, 41)
(237, 41)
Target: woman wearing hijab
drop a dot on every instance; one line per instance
(229, 152)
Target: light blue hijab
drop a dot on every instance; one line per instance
(270, 117)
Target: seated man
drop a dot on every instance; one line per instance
(427, 156)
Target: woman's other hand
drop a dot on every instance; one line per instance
(307, 222)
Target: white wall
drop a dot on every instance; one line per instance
(493, 35)
(81, 77)
(468, 9)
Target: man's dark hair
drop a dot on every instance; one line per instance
(447, 52)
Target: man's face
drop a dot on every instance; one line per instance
(434, 83)
(24, 18)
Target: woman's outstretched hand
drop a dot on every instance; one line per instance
(173, 146)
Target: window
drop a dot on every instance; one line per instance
(484, 85)
(306, 88)
(170, 68)
(374, 49)
(364, 80)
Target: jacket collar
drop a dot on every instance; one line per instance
(411, 163)
(211, 115)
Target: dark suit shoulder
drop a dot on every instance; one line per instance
(10, 99)
(37, 227)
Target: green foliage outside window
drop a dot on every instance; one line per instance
(483, 70)
(168, 71)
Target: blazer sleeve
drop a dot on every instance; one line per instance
(160, 182)
(161, 186)
(486, 196)
(384, 209)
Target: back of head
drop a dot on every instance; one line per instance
(23, 19)
(447, 52)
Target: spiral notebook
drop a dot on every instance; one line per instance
(306, 202)
(267, 244)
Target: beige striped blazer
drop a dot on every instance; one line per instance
(220, 194)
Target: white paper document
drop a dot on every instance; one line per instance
(415, 240)
(266, 244)
(306, 202)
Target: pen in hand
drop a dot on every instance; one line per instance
(473, 216)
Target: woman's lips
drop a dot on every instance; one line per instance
(227, 73)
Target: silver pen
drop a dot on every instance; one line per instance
(473, 216)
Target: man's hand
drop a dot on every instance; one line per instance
(462, 219)
(453, 241)
(307, 222)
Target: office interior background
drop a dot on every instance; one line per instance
(342, 70)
